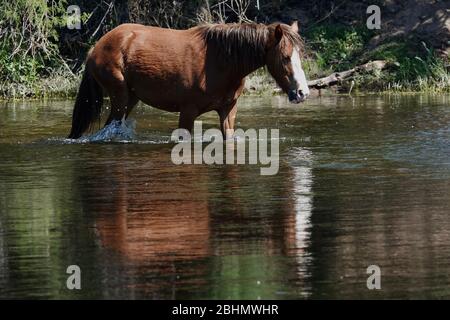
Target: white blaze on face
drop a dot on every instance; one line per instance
(299, 74)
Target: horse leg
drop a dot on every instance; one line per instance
(227, 116)
(187, 118)
(122, 102)
(132, 102)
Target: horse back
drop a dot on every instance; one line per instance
(163, 67)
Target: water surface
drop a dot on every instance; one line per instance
(362, 181)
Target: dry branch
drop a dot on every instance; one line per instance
(337, 77)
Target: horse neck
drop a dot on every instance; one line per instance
(238, 55)
(241, 70)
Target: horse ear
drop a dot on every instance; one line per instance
(278, 33)
(294, 26)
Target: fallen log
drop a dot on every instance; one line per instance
(337, 77)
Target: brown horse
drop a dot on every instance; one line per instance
(187, 71)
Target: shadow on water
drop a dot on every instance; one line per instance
(362, 181)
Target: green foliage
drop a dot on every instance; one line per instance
(337, 46)
(28, 40)
(418, 68)
(35, 48)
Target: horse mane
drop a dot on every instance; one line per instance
(243, 45)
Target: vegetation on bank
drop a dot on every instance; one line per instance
(30, 60)
(41, 57)
(416, 67)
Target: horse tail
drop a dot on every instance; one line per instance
(88, 105)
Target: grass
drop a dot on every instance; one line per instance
(335, 48)
(418, 69)
(61, 84)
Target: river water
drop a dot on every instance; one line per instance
(362, 181)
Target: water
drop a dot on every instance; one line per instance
(362, 181)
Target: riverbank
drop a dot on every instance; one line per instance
(428, 74)
(45, 59)
(420, 72)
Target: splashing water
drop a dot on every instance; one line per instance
(122, 131)
(118, 131)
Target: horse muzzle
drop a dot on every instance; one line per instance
(296, 96)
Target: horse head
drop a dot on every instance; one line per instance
(283, 60)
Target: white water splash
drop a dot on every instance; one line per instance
(117, 131)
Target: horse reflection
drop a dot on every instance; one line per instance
(164, 221)
(144, 212)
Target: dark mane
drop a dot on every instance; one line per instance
(242, 45)
(294, 38)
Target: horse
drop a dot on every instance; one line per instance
(190, 71)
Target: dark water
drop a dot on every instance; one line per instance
(362, 181)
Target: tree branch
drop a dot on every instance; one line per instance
(337, 77)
